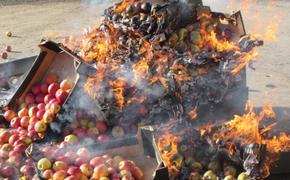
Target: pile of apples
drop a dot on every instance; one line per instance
(40, 107)
(94, 129)
(81, 164)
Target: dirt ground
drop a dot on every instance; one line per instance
(29, 22)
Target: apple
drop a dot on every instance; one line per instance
(20, 147)
(54, 101)
(43, 164)
(41, 106)
(55, 108)
(91, 124)
(71, 178)
(33, 134)
(93, 132)
(47, 174)
(63, 144)
(7, 171)
(33, 120)
(104, 178)
(79, 132)
(52, 88)
(59, 165)
(40, 127)
(23, 112)
(27, 170)
(26, 139)
(32, 111)
(84, 123)
(9, 115)
(103, 138)
(59, 175)
(47, 98)
(70, 155)
(40, 113)
(126, 165)
(102, 126)
(61, 95)
(71, 139)
(13, 138)
(125, 173)
(51, 78)
(35, 89)
(74, 171)
(66, 85)
(4, 55)
(86, 169)
(15, 160)
(118, 159)
(96, 161)
(4, 136)
(15, 123)
(39, 98)
(100, 171)
(29, 98)
(84, 153)
(48, 117)
(79, 161)
(24, 121)
(118, 131)
(47, 107)
(44, 88)
(137, 173)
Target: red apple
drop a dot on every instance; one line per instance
(96, 161)
(74, 171)
(59, 165)
(32, 111)
(13, 138)
(52, 88)
(84, 153)
(61, 95)
(51, 78)
(103, 138)
(33, 134)
(24, 121)
(70, 155)
(47, 174)
(40, 127)
(66, 85)
(71, 178)
(86, 169)
(59, 175)
(102, 126)
(44, 88)
(92, 132)
(20, 147)
(39, 98)
(54, 101)
(63, 144)
(47, 98)
(29, 98)
(27, 170)
(4, 55)
(4, 136)
(35, 89)
(33, 120)
(40, 114)
(55, 108)
(15, 123)
(41, 106)
(48, 117)
(79, 161)
(126, 165)
(9, 115)
(7, 171)
(71, 139)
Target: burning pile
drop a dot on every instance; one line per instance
(154, 62)
(243, 145)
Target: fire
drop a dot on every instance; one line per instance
(168, 146)
(248, 129)
(193, 113)
(123, 5)
(118, 87)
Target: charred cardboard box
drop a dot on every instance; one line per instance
(278, 170)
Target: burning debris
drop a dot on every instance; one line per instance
(243, 145)
(155, 61)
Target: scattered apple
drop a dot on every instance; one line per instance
(4, 55)
(48, 117)
(47, 98)
(47, 174)
(66, 85)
